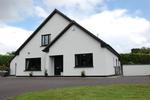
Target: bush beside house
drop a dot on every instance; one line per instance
(137, 56)
(4, 63)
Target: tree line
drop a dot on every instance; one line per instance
(137, 56)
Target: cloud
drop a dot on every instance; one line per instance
(18, 10)
(12, 37)
(41, 12)
(13, 9)
(82, 4)
(79, 8)
(120, 29)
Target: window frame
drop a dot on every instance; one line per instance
(84, 66)
(43, 39)
(32, 69)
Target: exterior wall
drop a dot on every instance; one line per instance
(136, 70)
(76, 41)
(13, 66)
(54, 26)
(33, 49)
(111, 62)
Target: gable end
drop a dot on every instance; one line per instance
(37, 30)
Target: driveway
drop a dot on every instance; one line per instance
(12, 86)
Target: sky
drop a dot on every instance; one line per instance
(123, 24)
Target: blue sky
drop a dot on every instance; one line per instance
(124, 24)
(132, 5)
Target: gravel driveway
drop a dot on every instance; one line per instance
(12, 86)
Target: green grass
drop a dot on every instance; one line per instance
(111, 92)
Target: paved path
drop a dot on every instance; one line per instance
(12, 86)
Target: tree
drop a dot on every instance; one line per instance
(5, 60)
(137, 56)
(142, 50)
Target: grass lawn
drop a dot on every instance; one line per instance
(110, 92)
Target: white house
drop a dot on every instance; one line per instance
(61, 47)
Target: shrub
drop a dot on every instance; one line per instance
(5, 59)
(4, 68)
(135, 58)
(31, 74)
(83, 74)
(45, 73)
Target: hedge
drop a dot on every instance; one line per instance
(4, 61)
(135, 58)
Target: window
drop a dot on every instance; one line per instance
(45, 39)
(116, 62)
(33, 64)
(84, 60)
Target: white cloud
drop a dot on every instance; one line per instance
(13, 9)
(82, 4)
(11, 38)
(17, 10)
(78, 8)
(41, 12)
(120, 29)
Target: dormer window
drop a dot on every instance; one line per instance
(45, 39)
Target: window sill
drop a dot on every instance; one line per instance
(32, 70)
(83, 67)
(43, 45)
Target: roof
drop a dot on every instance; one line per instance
(103, 44)
(37, 30)
(46, 49)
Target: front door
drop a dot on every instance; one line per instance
(58, 65)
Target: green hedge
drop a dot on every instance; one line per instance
(4, 61)
(135, 58)
(142, 50)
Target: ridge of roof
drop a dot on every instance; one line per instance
(39, 27)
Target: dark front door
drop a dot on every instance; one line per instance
(58, 65)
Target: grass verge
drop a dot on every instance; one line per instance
(110, 92)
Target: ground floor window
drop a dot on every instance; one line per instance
(33, 64)
(84, 60)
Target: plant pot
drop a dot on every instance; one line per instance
(46, 74)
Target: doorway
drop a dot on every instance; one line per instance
(58, 65)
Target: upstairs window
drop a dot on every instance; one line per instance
(84, 60)
(45, 39)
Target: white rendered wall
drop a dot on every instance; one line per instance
(136, 70)
(33, 48)
(54, 26)
(13, 66)
(111, 62)
(76, 41)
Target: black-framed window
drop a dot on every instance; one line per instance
(33, 64)
(84, 60)
(45, 39)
